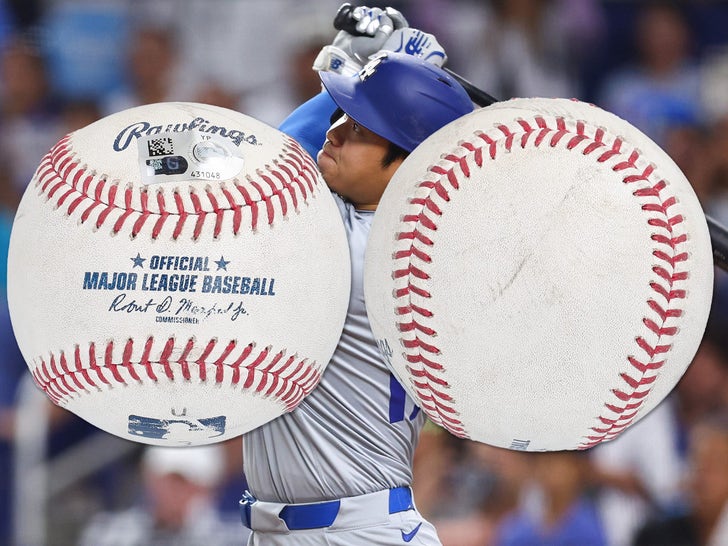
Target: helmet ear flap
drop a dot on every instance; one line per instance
(401, 98)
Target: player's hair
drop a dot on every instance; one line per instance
(394, 153)
(336, 116)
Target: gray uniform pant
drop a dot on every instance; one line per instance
(382, 518)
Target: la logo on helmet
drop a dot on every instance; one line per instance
(371, 67)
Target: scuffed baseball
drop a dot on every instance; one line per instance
(539, 275)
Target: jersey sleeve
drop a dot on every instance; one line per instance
(308, 123)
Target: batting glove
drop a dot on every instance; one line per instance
(348, 53)
(417, 43)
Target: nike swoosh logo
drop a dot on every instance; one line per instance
(407, 537)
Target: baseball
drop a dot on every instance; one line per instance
(178, 274)
(539, 275)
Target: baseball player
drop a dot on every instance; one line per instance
(337, 469)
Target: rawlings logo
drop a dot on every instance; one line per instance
(144, 128)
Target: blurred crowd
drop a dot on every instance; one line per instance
(661, 65)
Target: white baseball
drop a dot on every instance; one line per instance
(178, 274)
(539, 273)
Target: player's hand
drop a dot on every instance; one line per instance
(366, 30)
(371, 21)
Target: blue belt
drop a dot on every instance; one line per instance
(321, 514)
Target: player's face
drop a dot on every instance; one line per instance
(351, 163)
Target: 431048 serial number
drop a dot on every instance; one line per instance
(207, 175)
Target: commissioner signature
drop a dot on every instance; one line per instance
(182, 307)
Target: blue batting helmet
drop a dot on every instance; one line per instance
(399, 97)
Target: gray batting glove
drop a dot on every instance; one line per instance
(348, 53)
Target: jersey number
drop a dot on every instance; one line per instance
(397, 402)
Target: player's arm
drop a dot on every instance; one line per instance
(308, 123)
(373, 30)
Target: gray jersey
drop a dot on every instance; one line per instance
(356, 432)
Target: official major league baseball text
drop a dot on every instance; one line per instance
(172, 291)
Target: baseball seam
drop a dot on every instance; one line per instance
(288, 181)
(265, 371)
(62, 177)
(419, 339)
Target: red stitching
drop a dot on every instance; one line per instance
(288, 180)
(420, 344)
(268, 373)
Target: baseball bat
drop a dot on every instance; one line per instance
(718, 232)
(719, 241)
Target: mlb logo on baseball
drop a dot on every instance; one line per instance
(170, 274)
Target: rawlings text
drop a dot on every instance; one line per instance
(144, 128)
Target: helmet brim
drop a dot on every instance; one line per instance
(401, 98)
(356, 102)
